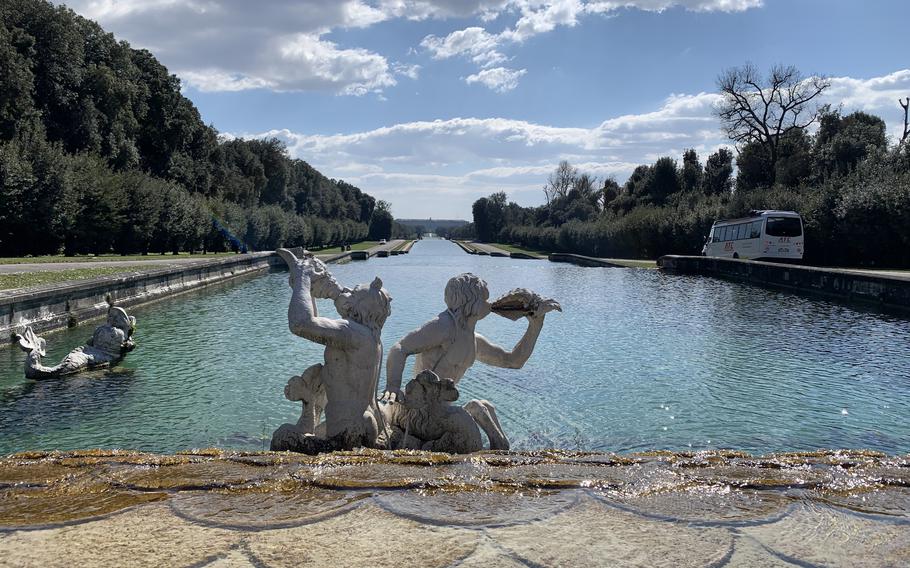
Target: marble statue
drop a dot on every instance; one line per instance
(349, 374)
(309, 390)
(109, 343)
(426, 419)
(448, 344)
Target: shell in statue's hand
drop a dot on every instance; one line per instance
(521, 302)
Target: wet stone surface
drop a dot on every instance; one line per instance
(216, 508)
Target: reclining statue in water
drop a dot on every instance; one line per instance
(109, 343)
(353, 354)
(448, 345)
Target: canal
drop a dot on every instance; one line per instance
(638, 360)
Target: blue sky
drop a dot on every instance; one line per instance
(431, 104)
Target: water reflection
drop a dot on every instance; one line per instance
(638, 360)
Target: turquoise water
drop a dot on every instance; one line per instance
(637, 360)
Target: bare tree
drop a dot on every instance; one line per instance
(905, 104)
(560, 181)
(763, 110)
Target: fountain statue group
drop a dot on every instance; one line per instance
(345, 385)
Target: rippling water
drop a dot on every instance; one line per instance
(637, 360)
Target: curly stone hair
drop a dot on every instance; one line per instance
(370, 305)
(466, 295)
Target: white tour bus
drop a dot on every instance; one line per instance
(768, 235)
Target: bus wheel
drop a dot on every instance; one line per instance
(735, 255)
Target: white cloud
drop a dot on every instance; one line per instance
(540, 17)
(223, 45)
(412, 163)
(410, 71)
(499, 79)
(474, 41)
(545, 19)
(600, 6)
(871, 94)
(231, 45)
(217, 80)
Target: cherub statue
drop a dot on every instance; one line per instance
(109, 343)
(448, 344)
(353, 354)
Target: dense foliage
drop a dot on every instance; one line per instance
(100, 152)
(851, 187)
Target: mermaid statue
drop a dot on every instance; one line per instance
(109, 343)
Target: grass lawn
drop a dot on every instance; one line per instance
(517, 248)
(29, 279)
(109, 257)
(362, 245)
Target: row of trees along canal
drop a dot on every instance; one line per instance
(839, 171)
(100, 152)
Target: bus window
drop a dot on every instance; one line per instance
(727, 233)
(756, 230)
(784, 227)
(741, 231)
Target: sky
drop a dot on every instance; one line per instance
(431, 104)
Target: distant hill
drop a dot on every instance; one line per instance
(433, 225)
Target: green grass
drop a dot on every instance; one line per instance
(362, 245)
(517, 248)
(108, 257)
(30, 279)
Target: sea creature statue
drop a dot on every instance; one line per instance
(309, 390)
(448, 345)
(426, 419)
(109, 343)
(353, 355)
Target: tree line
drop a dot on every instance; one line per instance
(850, 184)
(100, 152)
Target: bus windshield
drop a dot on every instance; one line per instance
(784, 227)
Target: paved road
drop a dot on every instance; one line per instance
(372, 251)
(489, 249)
(388, 246)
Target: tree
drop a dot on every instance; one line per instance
(843, 142)
(100, 151)
(718, 173)
(636, 182)
(609, 192)
(381, 222)
(663, 180)
(489, 216)
(560, 181)
(905, 104)
(691, 172)
(762, 112)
